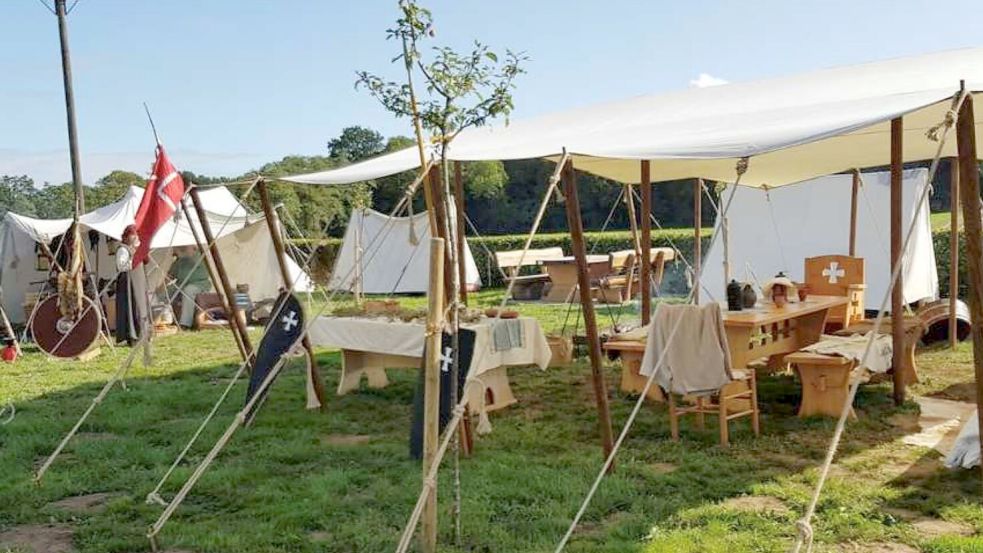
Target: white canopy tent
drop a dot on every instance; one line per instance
(793, 128)
(389, 255)
(243, 241)
(774, 230)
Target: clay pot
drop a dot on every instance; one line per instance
(734, 296)
(748, 297)
(803, 290)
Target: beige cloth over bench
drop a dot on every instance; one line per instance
(852, 347)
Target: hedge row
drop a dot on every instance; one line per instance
(675, 277)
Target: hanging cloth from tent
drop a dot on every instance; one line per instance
(283, 331)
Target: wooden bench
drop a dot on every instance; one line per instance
(625, 280)
(825, 382)
(526, 287)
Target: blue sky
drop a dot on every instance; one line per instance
(235, 83)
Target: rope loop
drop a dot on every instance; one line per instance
(934, 133)
(805, 535)
(429, 483)
(742, 165)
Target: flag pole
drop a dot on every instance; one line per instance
(152, 126)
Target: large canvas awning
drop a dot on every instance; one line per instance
(793, 128)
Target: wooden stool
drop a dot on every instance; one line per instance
(825, 382)
(914, 328)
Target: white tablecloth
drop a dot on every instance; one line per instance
(379, 335)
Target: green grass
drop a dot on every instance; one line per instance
(283, 486)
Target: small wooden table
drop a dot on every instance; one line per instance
(914, 328)
(563, 276)
(764, 331)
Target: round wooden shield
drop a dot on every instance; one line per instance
(61, 336)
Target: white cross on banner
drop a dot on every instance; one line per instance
(446, 360)
(833, 272)
(289, 321)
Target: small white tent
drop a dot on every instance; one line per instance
(243, 241)
(812, 218)
(389, 255)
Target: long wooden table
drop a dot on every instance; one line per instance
(763, 331)
(563, 276)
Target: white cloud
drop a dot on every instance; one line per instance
(53, 166)
(705, 80)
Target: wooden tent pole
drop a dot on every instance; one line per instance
(462, 273)
(431, 388)
(697, 236)
(587, 303)
(440, 216)
(227, 304)
(223, 276)
(854, 192)
(897, 292)
(969, 196)
(953, 248)
(645, 188)
(273, 224)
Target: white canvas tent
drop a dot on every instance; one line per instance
(793, 128)
(242, 239)
(775, 230)
(397, 262)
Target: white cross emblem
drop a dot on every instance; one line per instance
(833, 272)
(289, 321)
(446, 359)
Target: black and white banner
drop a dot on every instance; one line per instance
(466, 353)
(282, 331)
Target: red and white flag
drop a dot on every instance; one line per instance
(163, 194)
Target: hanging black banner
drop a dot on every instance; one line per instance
(282, 331)
(466, 349)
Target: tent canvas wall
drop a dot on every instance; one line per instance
(243, 241)
(813, 218)
(396, 263)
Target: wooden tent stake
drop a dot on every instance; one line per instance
(587, 303)
(855, 189)
(697, 236)
(223, 276)
(431, 388)
(897, 292)
(969, 197)
(953, 249)
(227, 304)
(645, 188)
(273, 224)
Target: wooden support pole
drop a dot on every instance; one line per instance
(953, 249)
(587, 303)
(73, 142)
(431, 388)
(854, 192)
(969, 197)
(462, 272)
(897, 231)
(697, 236)
(227, 303)
(440, 217)
(234, 321)
(273, 224)
(645, 188)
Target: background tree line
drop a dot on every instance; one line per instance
(501, 197)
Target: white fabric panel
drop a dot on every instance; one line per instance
(392, 263)
(813, 218)
(795, 127)
(243, 240)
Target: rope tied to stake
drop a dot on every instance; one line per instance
(805, 531)
(934, 133)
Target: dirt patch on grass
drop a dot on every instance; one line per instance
(87, 504)
(930, 528)
(319, 536)
(345, 439)
(757, 504)
(879, 547)
(39, 538)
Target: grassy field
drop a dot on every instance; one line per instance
(341, 481)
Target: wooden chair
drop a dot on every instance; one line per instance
(838, 275)
(625, 280)
(526, 287)
(734, 400)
